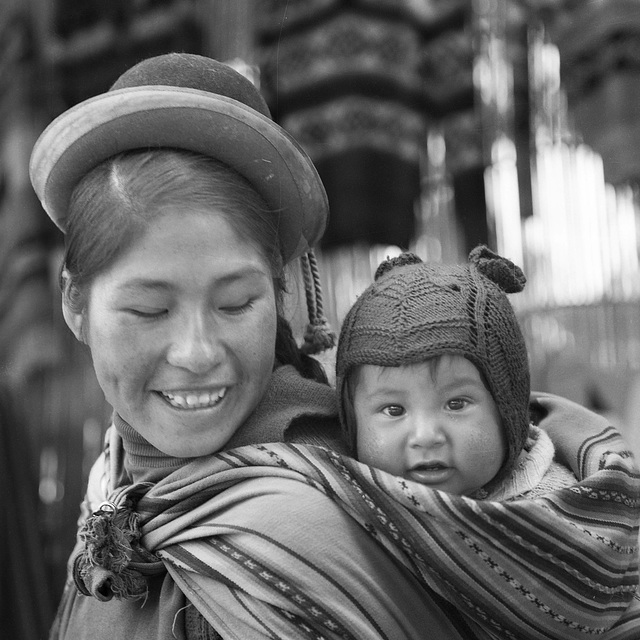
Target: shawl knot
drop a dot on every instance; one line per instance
(112, 561)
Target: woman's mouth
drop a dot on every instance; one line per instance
(193, 399)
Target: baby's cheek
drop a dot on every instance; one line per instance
(487, 450)
(366, 449)
(378, 452)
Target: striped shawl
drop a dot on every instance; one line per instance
(249, 537)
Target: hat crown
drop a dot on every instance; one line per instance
(192, 71)
(400, 304)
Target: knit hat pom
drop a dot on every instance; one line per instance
(508, 276)
(399, 261)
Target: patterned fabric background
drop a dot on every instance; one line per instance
(357, 83)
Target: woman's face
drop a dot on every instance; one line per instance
(182, 332)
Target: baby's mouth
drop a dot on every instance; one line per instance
(194, 399)
(429, 472)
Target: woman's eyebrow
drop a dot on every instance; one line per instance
(138, 284)
(241, 274)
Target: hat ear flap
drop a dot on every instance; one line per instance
(508, 276)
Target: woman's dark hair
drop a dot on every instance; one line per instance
(112, 205)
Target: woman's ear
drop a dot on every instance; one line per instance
(73, 318)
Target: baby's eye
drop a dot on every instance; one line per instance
(457, 404)
(393, 410)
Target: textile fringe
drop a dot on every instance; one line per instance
(102, 570)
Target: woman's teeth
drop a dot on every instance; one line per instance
(195, 400)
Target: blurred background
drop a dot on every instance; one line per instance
(435, 125)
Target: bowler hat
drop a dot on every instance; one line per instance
(190, 102)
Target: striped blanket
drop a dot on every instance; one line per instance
(244, 536)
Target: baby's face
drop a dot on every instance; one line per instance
(433, 422)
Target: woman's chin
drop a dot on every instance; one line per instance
(188, 432)
(194, 447)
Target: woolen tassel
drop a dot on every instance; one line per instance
(318, 336)
(102, 570)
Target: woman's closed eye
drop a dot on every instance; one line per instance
(237, 309)
(149, 313)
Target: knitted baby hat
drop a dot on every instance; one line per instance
(414, 311)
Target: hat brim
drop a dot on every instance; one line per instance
(177, 117)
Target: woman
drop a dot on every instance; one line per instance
(182, 202)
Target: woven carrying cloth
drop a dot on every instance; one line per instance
(562, 566)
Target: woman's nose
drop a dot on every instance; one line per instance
(426, 431)
(195, 345)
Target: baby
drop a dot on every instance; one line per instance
(433, 376)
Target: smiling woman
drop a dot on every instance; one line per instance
(182, 203)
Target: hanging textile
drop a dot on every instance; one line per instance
(357, 83)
